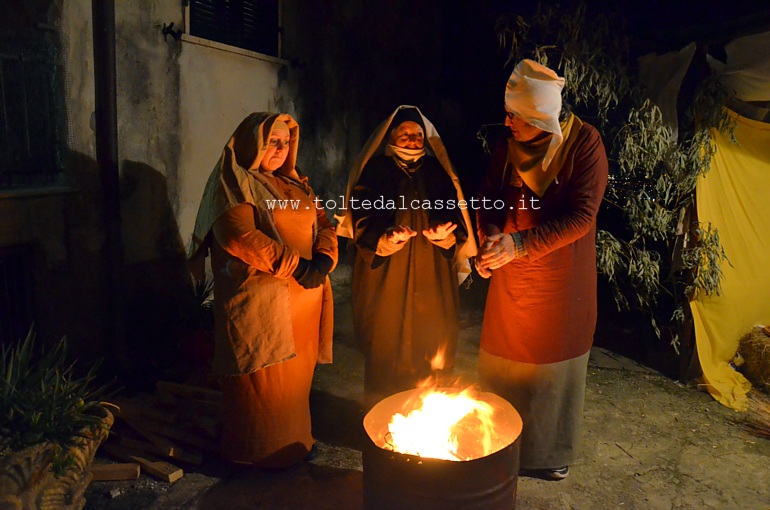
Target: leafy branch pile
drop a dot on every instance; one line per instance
(659, 258)
(42, 399)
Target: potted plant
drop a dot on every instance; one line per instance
(51, 423)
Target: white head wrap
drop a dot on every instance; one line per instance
(533, 93)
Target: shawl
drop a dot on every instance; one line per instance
(236, 179)
(524, 157)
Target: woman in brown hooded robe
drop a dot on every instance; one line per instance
(272, 297)
(413, 238)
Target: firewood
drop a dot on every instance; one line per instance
(199, 407)
(184, 390)
(112, 472)
(161, 446)
(143, 408)
(158, 468)
(183, 430)
(185, 413)
(175, 432)
(199, 422)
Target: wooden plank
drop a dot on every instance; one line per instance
(158, 468)
(203, 407)
(143, 408)
(112, 472)
(187, 391)
(198, 422)
(177, 433)
(184, 415)
(161, 446)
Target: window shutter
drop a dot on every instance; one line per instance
(248, 24)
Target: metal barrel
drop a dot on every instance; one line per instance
(398, 481)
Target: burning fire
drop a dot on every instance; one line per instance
(444, 425)
(438, 361)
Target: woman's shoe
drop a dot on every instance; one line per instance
(557, 473)
(313, 453)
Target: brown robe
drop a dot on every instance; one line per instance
(540, 314)
(266, 415)
(405, 297)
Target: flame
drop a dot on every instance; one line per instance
(449, 426)
(439, 360)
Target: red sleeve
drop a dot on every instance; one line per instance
(586, 189)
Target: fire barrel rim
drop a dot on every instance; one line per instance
(394, 480)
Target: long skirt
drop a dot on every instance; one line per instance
(266, 414)
(548, 397)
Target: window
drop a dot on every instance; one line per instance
(32, 119)
(249, 24)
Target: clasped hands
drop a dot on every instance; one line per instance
(312, 273)
(401, 233)
(497, 249)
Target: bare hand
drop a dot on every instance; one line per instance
(501, 250)
(489, 229)
(483, 272)
(399, 234)
(439, 232)
(486, 245)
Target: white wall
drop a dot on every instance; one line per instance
(218, 89)
(178, 102)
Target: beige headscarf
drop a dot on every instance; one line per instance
(377, 144)
(533, 93)
(236, 179)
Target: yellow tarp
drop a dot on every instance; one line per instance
(734, 196)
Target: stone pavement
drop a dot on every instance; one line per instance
(648, 443)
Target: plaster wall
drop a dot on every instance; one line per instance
(218, 89)
(177, 103)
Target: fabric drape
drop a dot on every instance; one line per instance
(732, 197)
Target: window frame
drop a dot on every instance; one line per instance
(186, 36)
(42, 76)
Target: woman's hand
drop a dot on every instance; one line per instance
(399, 234)
(312, 273)
(439, 232)
(497, 251)
(488, 230)
(483, 272)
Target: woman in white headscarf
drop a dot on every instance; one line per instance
(272, 297)
(539, 250)
(413, 238)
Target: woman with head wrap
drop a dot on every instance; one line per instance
(539, 249)
(412, 233)
(271, 251)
